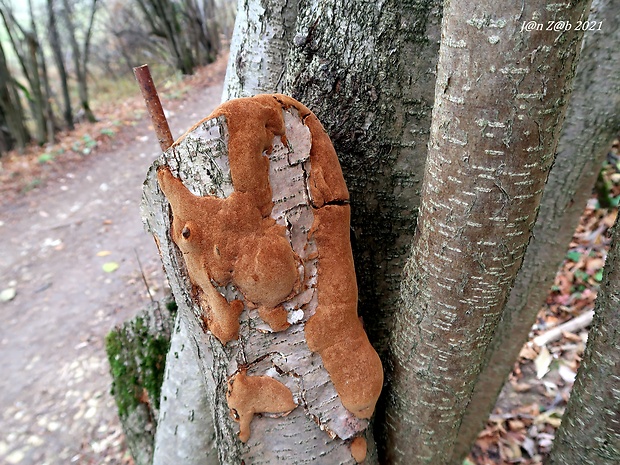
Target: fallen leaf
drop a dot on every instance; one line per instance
(103, 253)
(110, 267)
(567, 374)
(542, 363)
(7, 294)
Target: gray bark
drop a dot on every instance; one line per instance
(592, 123)
(490, 151)
(185, 432)
(319, 429)
(590, 429)
(260, 42)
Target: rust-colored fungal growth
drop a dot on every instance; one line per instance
(358, 449)
(248, 395)
(235, 240)
(335, 331)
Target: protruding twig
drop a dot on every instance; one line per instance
(153, 105)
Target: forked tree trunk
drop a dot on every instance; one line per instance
(590, 431)
(592, 123)
(496, 124)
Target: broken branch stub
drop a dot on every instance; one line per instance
(251, 214)
(153, 106)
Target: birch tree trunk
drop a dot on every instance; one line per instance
(268, 351)
(261, 39)
(496, 125)
(590, 429)
(185, 432)
(592, 123)
(367, 69)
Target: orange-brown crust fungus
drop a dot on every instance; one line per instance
(335, 331)
(248, 395)
(235, 240)
(358, 449)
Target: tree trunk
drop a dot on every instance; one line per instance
(80, 57)
(279, 355)
(185, 431)
(60, 64)
(590, 431)
(14, 128)
(367, 71)
(181, 370)
(592, 123)
(261, 39)
(44, 85)
(490, 151)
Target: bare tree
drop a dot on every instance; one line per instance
(28, 51)
(81, 53)
(13, 131)
(56, 45)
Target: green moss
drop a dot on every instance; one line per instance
(137, 361)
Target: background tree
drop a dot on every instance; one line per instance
(28, 52)
(57, 51)
(13, 131)
(589, 432)
(81, 53)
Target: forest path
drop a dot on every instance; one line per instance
(55, 402)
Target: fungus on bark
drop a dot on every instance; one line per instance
(242, 244)
(249, 395)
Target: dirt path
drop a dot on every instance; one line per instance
(54, 384)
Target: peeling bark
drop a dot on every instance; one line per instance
(592, 123)
(490, 151)
(320, 428)
(590, 429)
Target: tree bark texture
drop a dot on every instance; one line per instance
(260, 43)
(367, 70)
(319, 428)
(496, 124)
(590, 429)
(591, 125)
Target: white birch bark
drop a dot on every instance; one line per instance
(592, 123)
(319, 430)
(260, 43)
(496, 124)
(185, 432)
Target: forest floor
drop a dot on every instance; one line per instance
(71, 235)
